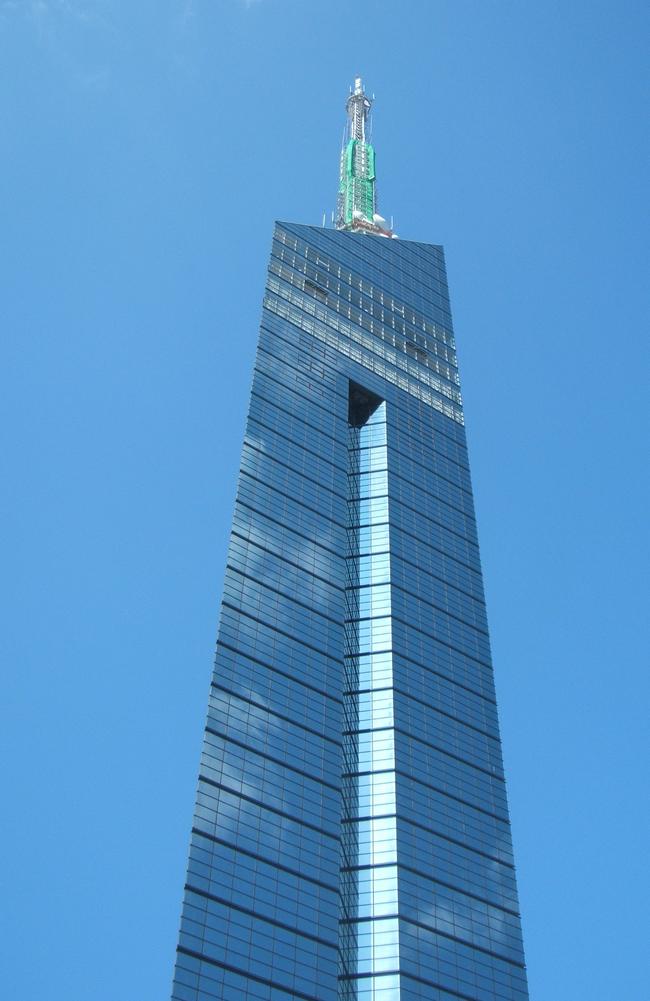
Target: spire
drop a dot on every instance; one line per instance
(356, 203)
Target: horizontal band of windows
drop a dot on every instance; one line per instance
(219, 686)
(422, 784)
(266, 403)
(395, 479)
(277, 670)
(467, 864)
(360, 588)
(239, 614)
(405, 449)
(262, 480)
(388, 340)
(267, 568)
(333, 277)
(400, 321)
(443, 712)
(258, 546)
(429, 505)
(426, 828)
(275, 326)
(411, 543)
(411, 263)
(300, 874)
(416, 780)
(316, 808)
(456, 588)
(428, 422)
(363, 986)
(293, 470)
(456, 680)
(397, 263)
(245, 974)
(360, 355)
(450, 733)
(316, 243)
(470, 887)
(271, 488)
(250, 883)
(258, 626)
(271, 809)
(265, 587)
(409, 697)
(359, 328)
(275, 401)
(447, 631)
(408, 519)
(486, 665)
(284, 763)
(328, 476)
(431, 902)
(283, 460)
(317, 456)
(285, 359)
(459, 778)
(325, 259)
(426, 743)
(272, 357)
(254, 914)
(272, 511)
(241, 619)
(281, 360)
(445, 993)
(226, 759)
(427, 444)
(452, 431)
(471, 958)
(432, 532)
(247, 516)
(442, 817)
(235, 720)
(471, 842)
(267, 502)
(361, 345)
(399, 655)
(263, 829)
(351, 922)
(426, 877)
(427, 619)
(420, 490)
(436, 454)
(419, 836)
(385, 770)
(456, 714)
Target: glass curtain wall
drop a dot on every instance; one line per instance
(369, 940)
(351, 839)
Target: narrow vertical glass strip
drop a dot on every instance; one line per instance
(369, 940)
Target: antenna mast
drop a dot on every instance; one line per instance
(356, 207)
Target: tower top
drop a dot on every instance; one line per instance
(358, 108)
(356, 208)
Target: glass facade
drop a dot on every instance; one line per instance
(351, 836)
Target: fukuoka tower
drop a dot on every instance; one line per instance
(351, 838)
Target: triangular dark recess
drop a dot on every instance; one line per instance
(362, 405)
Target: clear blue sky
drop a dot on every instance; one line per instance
(147, 147)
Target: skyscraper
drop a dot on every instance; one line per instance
(351, 837)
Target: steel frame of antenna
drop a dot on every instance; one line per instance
(356, 201)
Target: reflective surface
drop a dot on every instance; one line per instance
(351, 835)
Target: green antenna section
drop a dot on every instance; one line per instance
(356, 204)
